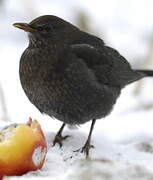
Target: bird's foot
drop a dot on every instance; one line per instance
(58, 139)
(85, 149)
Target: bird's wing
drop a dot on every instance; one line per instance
(95, 59)
(91, 55)
(107, 64)
(121, 73)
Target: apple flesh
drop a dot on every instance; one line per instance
(22, 148)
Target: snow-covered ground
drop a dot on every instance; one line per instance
(123, 150)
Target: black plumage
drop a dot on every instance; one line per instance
(72, 75)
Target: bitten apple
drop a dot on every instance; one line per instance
(22, 148)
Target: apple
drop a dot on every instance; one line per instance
(22, 148)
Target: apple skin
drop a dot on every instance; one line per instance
(24, 150)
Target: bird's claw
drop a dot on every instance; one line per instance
(85, 149)
(58, 140)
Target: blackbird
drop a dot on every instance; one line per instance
(72, 75)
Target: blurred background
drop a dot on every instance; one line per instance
(125, 25)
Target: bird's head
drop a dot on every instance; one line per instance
(47, 27)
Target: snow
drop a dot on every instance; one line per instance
(123, 150)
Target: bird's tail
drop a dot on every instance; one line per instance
(135, 75)
(146, 72)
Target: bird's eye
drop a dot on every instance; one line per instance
(39, 28)
(43, 28)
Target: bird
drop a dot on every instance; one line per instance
(71, 75)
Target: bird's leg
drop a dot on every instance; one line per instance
(85, 149)
(59, 138)
(87, 145)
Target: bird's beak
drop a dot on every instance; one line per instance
(24, 26)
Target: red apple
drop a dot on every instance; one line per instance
(22, 148)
